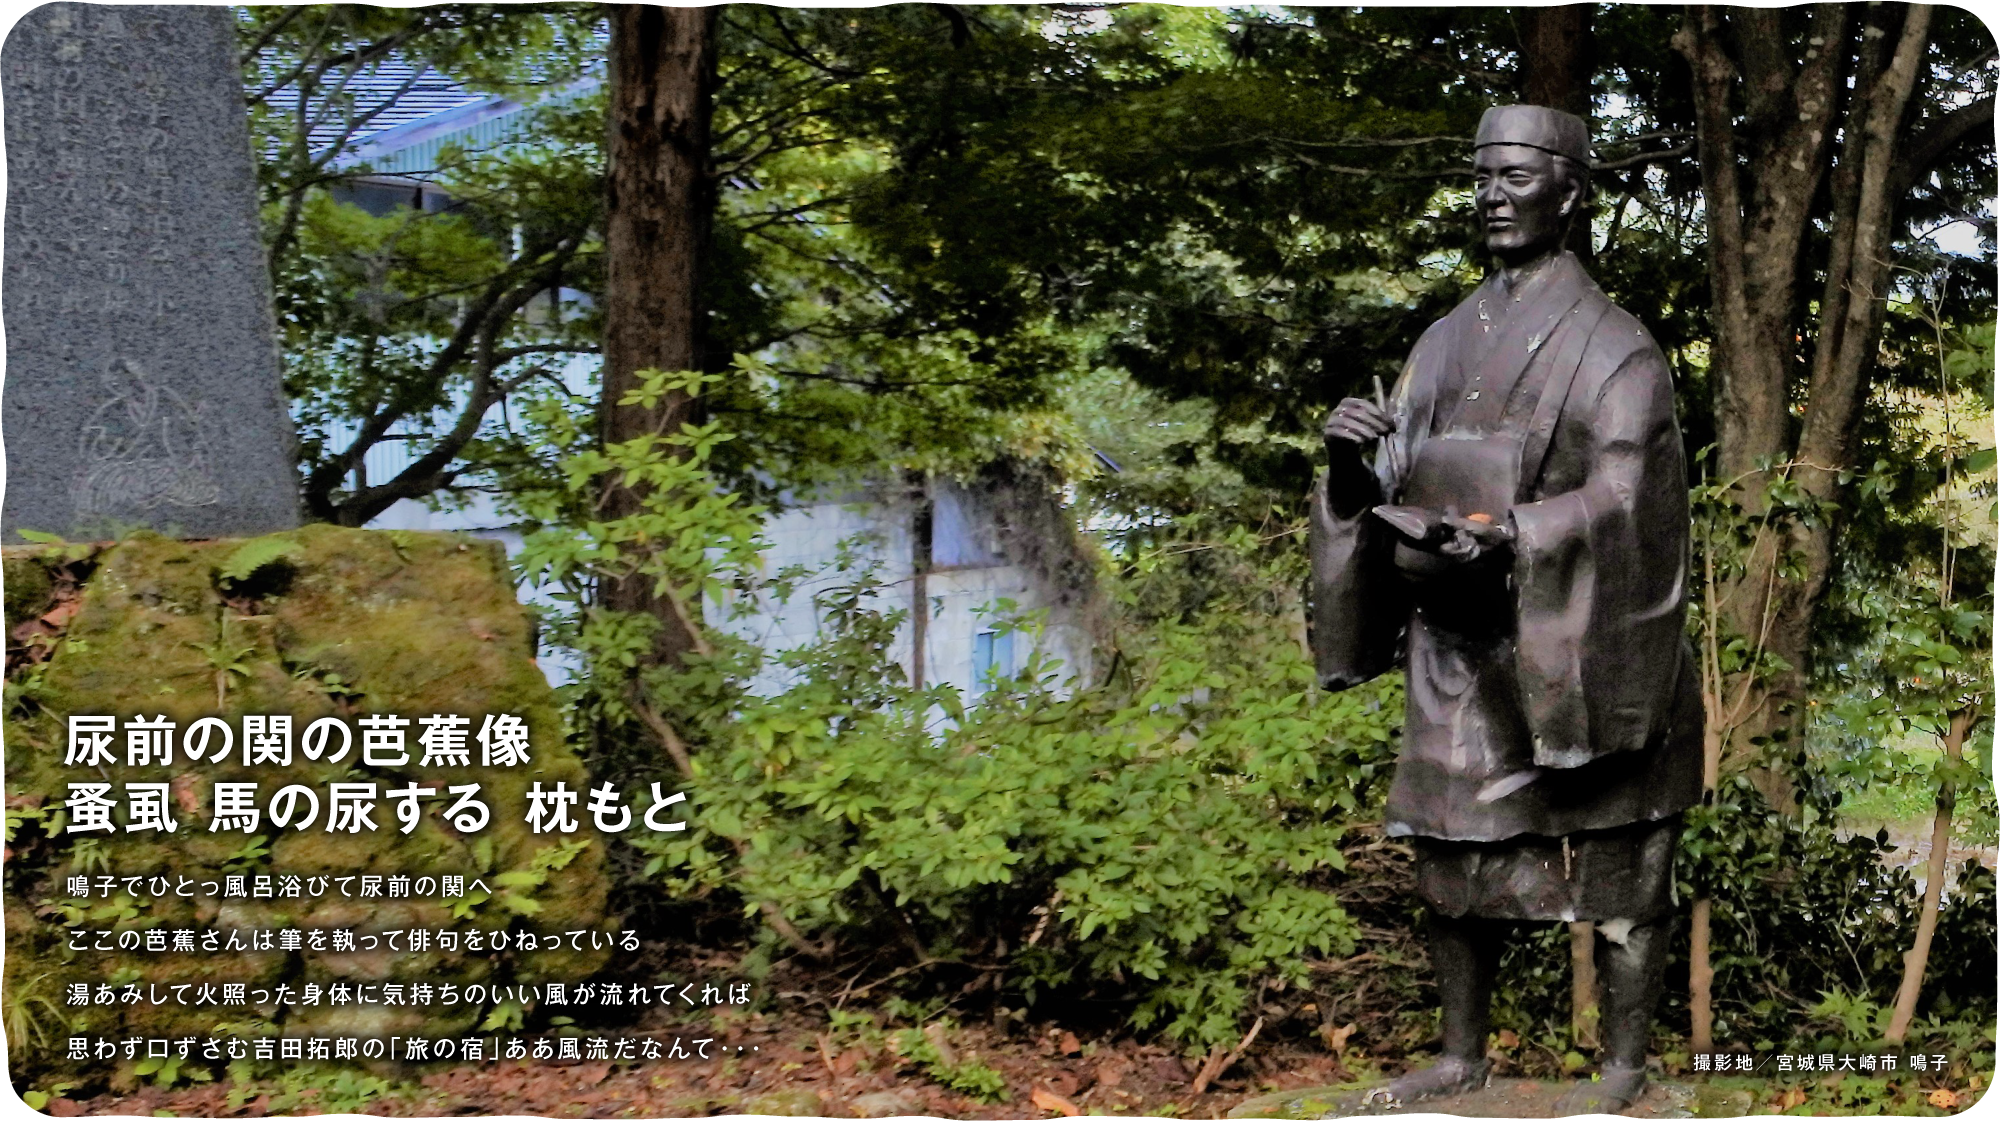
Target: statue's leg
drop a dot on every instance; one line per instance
(1630, 962)
(1465, 956)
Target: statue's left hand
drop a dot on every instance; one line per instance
(1473, 539)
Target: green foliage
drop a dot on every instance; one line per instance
(170, 1069)
(974, 1079)
(515, 888)
(1157, 831)
(1908, 629)
(61, 551)
(19, 815)
(1163, 834)
(255, 555)
(40, 1099)
(1164, 831)
(255, 853)
(34, 1019)
(688, 540)
(508, 1015)
(306, 1087)
(227, 661)
(1801, 911)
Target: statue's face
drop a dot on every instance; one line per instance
(1524, 199)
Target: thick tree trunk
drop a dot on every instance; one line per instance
(659, 201)
(1557, 61)
(1760, 176)
(1556, 57)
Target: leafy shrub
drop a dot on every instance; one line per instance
(1160, 837)
(1155, 832)
(1808, 933)
(1801, 911)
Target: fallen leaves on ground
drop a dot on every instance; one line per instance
(1054, 1103)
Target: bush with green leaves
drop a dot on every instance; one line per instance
(1157, 832)
(1802, 911)
(1810, 927)
(1161, 836)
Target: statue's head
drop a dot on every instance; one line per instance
(1530, 173)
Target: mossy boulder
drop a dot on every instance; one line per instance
(315, 622)
(28, 589)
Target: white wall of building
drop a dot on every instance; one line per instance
(964, 600)
(965, 592)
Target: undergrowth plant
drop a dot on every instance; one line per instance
(1158, 837)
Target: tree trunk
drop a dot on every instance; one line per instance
(1915, 962)
(1556, 57)
(1556, 68)
(659, 201)
(1583, 1012)
(1556, 65)
(923, 515)
(1760, 176)
(1701, 981)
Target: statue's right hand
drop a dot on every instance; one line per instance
(1355, 423)
(1358, 421)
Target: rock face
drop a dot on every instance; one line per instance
(142, 361)
(315, 622)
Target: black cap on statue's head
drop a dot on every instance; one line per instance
(1537, 126)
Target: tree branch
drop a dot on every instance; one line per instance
(1641, 159)
(424, 473)
(1923, 150)
(270, 33)
(328, 475)
(1838, 388)
(961, 33)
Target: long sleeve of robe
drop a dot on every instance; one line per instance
(1581, 712)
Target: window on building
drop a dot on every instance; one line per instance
(961, 534)
(992, 658)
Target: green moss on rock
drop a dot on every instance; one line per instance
(355, 623)
(29, 589)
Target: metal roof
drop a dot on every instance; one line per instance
(410, 126)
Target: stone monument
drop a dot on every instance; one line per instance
(142, 383)
(1520, 544)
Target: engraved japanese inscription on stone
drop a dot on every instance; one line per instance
(142, 383)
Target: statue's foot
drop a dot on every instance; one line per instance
(1450, 1075)
(1614, 1091)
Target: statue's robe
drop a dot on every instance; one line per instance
(1553, 732)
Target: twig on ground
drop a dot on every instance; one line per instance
(1219, 1060)
(826, 1055)
(1336, 966)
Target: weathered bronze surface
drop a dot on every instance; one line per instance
(1520, 546)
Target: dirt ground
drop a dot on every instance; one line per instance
(798, 1069)
(1503, 1097)
(791, 1064)
(794, 1062)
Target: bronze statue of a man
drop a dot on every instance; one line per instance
(1521, 542)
